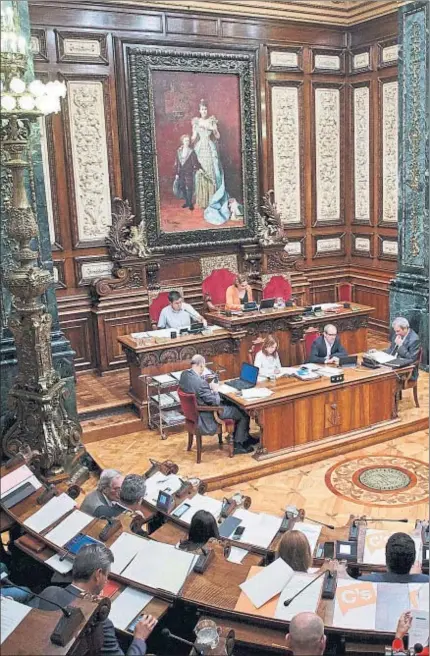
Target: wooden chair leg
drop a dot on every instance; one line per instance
(230, 445)
(417, 403)
(199, 447)
(190, 441)
(220, 437)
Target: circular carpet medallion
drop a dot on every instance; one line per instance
(384, 481)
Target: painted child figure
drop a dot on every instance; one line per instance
(186, 165)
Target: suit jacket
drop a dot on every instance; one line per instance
(408, 350)
(319, 350)
(65, 596)
(185, 170)
(391, 577)
(192, 383)
(94, 500)
(232, 300)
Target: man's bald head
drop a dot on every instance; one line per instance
(306, 636)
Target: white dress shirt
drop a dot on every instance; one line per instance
(328, 347)
(170, 318)
(267, 363)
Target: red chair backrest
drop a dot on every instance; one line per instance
(344, 292)
(215, 285)
(157, 305)
(309, 337)
(278, 287)
(257, 345)
(189, 406)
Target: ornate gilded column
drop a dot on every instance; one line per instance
(409, 291)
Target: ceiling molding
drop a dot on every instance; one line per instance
(344, 13)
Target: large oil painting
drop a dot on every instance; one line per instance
(196, 177)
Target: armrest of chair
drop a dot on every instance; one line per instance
(209, 408)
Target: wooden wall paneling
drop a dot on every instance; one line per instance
(361, 160)
(81, 48)
(388, 134)
(38, 45)
(76, 323)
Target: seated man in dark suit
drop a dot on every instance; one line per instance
(131, 495)
(405, 342)
(191, 382)
(106, 494)
(90, 572)
(400, 556)
(327, 348)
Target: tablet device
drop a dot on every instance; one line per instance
(229, 526)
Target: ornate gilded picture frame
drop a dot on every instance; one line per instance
(193, 117)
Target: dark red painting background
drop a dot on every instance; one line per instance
(176, 101)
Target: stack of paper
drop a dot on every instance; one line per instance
(226, 389)
(11, 614)
(139, 335)
(68, 528)
(236, 555)
(160, 566)
(163, 400)
(380, 356)
(164, 333)
(124, 549)
(126, 606)
(164, 378)
(200, 502)
(14, 480)
(256, 393)
(260, 528)
(50, 513)
(267, 583)
(329, 371)
(306, 601)
(158, 482)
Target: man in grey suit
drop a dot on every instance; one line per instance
(192, 382)
(90, 573)
(405, 342)
(106, 494)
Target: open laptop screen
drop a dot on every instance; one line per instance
(249, 373)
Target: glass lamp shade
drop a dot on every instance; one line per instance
(16, 85)
(8, 103)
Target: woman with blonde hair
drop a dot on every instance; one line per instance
(238, 294)
(295, 550)
(267, 360)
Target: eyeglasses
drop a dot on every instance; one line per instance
(331, 334)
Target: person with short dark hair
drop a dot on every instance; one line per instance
(306, 635)
(400, 556)
(133, 491)
(203, 527)
(327, 348)
(295, 550)
(178, 314)
(90, 573)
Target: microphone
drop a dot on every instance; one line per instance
(418, 648)
(376, 519)
(316, 521)
(66, 625)
(168, 635)
(287, 602)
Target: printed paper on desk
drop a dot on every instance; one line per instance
(419, 631)
(11, 615)
(124, 549)
(312, 532)
(355, 605)
(245, 605)
(260, 528)
(226, 389)
(307, 601)
(268, 583)
(14, 479)
(201, 502)
(161, 332)
(68, 528)
(237, 555)
(126, 606)
(50, 513)
(380, 356)
(60, 566)
(256, 393)
(374, 546)
(159, 481)
(161, 566)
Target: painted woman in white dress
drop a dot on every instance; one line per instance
(210, 190)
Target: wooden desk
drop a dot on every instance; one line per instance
(351, 323)
(221, 347)
(301, 412)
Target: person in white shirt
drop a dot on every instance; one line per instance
(178, 314)
(267, 360)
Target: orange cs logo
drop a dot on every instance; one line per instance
(356, 595)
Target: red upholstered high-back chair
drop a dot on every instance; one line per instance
(215, 285)
(191, 411)
(278, 287)
(344, 292)
(157, 305)
(309, 337)
(257, 345)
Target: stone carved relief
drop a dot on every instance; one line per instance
(360, 60)
(389, 151)
(286, 152)
(327, 136)
(362, 244)
(125, 240)
(181, 354)
(327, 62)
(209, 264)
(361, 155)
(284, 59)
(90, 158)
(390, 53)
(332, 245)
(91, 47)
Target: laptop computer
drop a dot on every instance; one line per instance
(250, 306)
(248, 377)
(398, 363)
(348, 361)
(267, 303)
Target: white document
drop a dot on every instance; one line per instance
(267, 583)
(419, 631)
(68, 528)
(139, 335)
(329, 371)
(312, 532)
(158, 482)
(256, 393)
(60, 566)
(50, 513)
(160, 566)
(307, 600)
(161, 332)
(201, 502)
(164, 378)
(380, 356)
(236, 555)
(355, 605)
(260, 528)
(213, 328)
(33, 480)
(127, 606)
(374, 546)
(12, 481)
(124, 549)
(177, 374)
(11, 614)
(226, 389)
(392, 601)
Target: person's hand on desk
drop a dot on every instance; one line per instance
(333, 360)
(204, 322)
(214, 386)
(145, 627)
